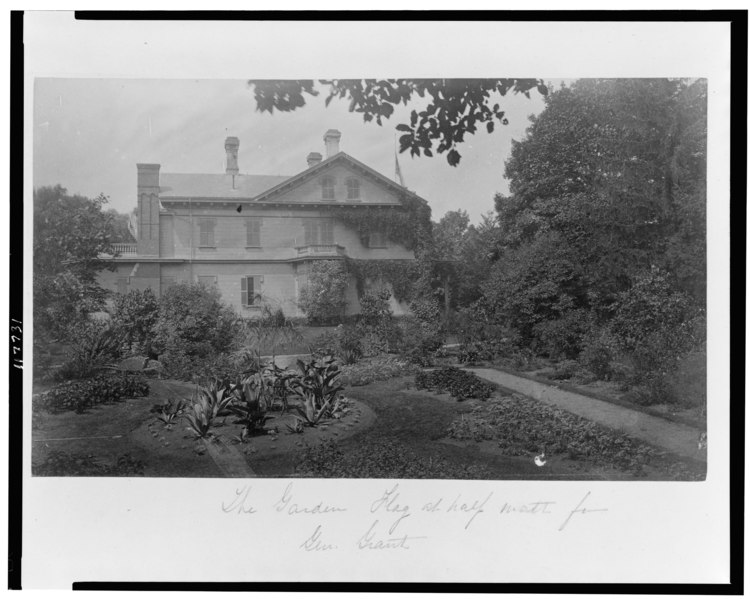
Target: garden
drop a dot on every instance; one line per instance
(589, 277)
(374, 397)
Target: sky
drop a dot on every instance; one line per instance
(90, 133)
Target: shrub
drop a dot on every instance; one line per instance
(84, 394)
(193, 321)
(381, 368)
(563, 336)
(377, 328)
(135, 314)
(349, 344)
(419, 341)
(598, 354)
(653, 389)
(459, 383)
(656, 325)
(96, 344)
(323, 299)
(564, 370)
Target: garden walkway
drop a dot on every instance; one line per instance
(677, 438)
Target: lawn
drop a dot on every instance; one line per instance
(387, 429)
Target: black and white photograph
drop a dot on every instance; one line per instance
(372, 312)
(468, 278)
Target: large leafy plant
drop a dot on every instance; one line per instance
(317, 387)
(212, 401)
(251, 402)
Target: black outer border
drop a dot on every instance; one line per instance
(738, 234)
(15, 376)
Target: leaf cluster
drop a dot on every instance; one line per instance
(461, 384)
(452, 108)
(82, 395)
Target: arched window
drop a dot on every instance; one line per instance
(327, 185)
(352, 189)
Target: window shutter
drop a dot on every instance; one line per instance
(243, 286)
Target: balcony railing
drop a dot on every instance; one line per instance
(321, 250)
(125, 248)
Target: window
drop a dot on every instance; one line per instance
(206, 232)
(352, 189)
(252, 226)
(311, 231)
(377, 239)
(207, 280)
(122, 285)
(327, 185)
(250, 290)
(326, 232)
(318, 231)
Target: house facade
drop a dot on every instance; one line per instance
(255, 237)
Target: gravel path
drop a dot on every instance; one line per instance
(677, 438)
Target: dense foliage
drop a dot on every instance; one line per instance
(602, 240)
(398, 274)
(323, 299)
(70, 235)
(84, 394)
(193, 323)
(381, 459)
(461, 384)
(135, 314)
(408, 225)
(523, 426)
(95, 344)
(453, 108)
(380, 368)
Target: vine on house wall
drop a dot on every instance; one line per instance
(408, 225)
(400, 274)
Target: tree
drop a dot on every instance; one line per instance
(70, 235)
(455, 107)
(466, 252)
(614, 172)
(120, 229)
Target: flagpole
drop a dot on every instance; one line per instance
(395, 159)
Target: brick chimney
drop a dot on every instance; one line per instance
(232, 146)
(314, 158)
(148, 209)
(332, 138)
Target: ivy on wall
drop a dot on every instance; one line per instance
(408, 225)
(400, 274)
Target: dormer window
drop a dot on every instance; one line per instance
(327, 186)
(352, 189)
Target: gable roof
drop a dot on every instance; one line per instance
(261, 188)
(183, 185)
(284, 186)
